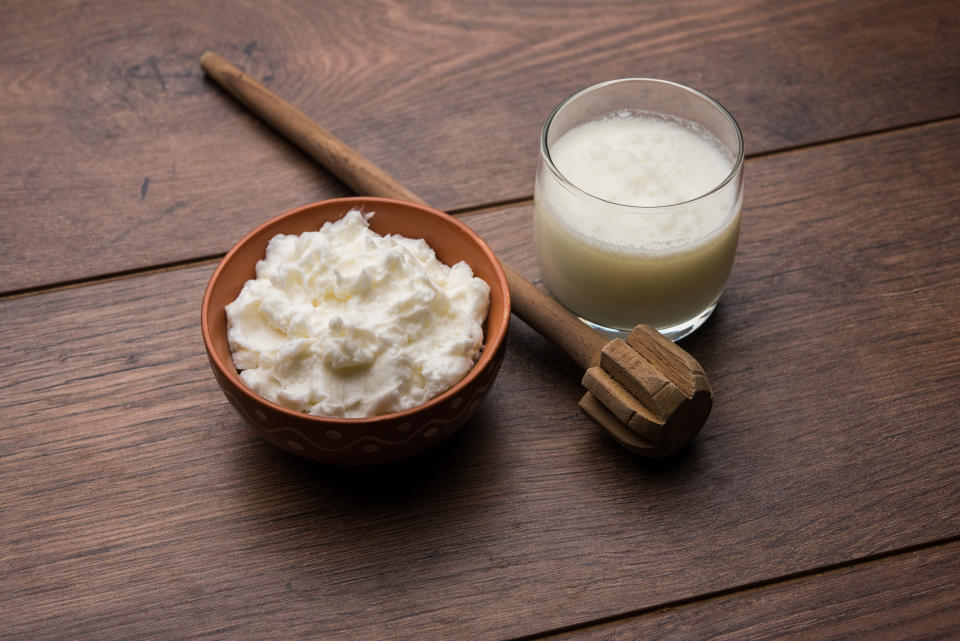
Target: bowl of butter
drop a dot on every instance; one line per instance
(357, 331)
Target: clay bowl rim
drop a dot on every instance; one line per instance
(490, 347)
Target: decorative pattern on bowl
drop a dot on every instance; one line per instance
(394, 440)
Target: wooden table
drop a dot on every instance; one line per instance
(822, 499)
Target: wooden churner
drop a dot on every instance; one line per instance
(646, 392)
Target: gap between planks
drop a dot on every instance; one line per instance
(827, 142)
(212, 258)
(741, 590)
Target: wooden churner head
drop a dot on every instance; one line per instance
(647, 393)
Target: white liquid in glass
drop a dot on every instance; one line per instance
(653, 245)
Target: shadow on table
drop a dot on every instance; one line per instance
(527, 453)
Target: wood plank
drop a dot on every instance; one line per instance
(135, 501)
(911, 596)
(118, 155)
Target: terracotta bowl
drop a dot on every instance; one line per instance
(379, 439)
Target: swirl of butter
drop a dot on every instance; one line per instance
(345, 322)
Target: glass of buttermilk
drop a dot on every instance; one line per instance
(637, 205)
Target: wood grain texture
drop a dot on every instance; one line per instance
(136, 505)
(912, 596)
(118, 155)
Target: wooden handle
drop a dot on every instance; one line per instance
(536, 308)
(554, 321)
(361, 175)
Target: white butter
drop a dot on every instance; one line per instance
(345, 322)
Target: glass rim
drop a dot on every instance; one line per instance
(578, 191)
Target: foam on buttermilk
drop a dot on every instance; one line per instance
(641, 160)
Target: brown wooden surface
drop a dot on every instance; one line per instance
(914, 595)
(821, 500)
(118, 155)
(139, 503)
